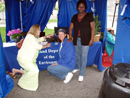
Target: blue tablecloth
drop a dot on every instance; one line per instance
(49, 55)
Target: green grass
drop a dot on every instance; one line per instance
(3, 34)
(57, 9)
(48, 31)
(52, 20)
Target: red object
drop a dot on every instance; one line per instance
(19, 44)
(79, 19)
(106, 61)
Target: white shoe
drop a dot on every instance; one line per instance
(68, 77)
(81, 78)
(75, 70)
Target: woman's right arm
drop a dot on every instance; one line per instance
(70, 31)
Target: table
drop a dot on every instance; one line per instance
(49, 55)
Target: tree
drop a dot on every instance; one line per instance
(2, 7)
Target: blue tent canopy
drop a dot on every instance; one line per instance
(39, 12)
(125, 14)
(122, 43)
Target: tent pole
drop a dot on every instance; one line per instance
(58, 11)
(117, 2)
(114, 15)
(21, 15)
(58, 4)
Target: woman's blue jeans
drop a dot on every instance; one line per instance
(58, 71)
(81, 57)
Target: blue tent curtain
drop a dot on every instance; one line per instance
(67, 8)
(6, 82)
(125, 14)
(101, 11)
(36, 12)
(122, 42)
(12, 16)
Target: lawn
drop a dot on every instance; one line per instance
(52, 20)
(3, 34)
(48, 31)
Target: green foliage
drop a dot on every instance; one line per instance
(3, 33)
(102, 35)
(2, 7)
(97, 25)
(16, 36)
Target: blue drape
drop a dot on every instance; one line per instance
(125, 14)
(36, 12)
(101, 11)
(122, 42)
(12, 16)
(6, 82)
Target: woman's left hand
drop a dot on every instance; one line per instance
(48, 45)
(54, 64)
(49, 36)
(91, 43)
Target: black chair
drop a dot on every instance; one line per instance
(42, 34)
(24, 33)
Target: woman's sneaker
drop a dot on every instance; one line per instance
(68, 77)
(75, 70)
(81, 78)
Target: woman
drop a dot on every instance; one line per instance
(110, 41)
(27, 56)
(84, 29)
(66, 61)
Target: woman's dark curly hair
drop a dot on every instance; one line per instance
(82, 1)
